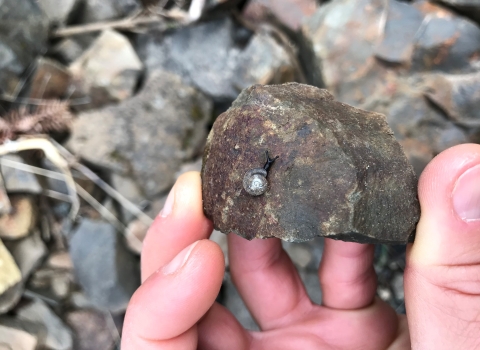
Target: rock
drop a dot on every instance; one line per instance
(467, 8)
(23, 36)
(17, 339)
(340, 172)
(135, 234)
(28, 252)
(107, 272)
(221, 240)
(218, 57)
(289, 13)
(312, 285)
(397, 286)
(299, 253)
(422, 130)
(58, 336)
(5, 205)
(92, 330)
(148, 137)
(21, 220)
(68, 50)
(109, 69)
(196, 165)
(60, 260)
(101, 10)
(59, 12)
(50, 81)
(417, 37)
(10, 280)
(458, 96)
(19, 181)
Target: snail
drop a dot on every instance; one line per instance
(255, 180)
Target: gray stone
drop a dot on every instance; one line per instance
(215, 58)
(416, 37)
(10, 274)
(10, 297)
(28, 252)
(68, 50)
(423, 131)
(109, 69)
(148, 137)
(19, 181)
(104, 268)
(59, 12)
(18, 339)
(312, 285)
(457, 95)
(23, 36)
(101, 10)
(58, 335)
(93, 330)
(339, 173)
(5, 205)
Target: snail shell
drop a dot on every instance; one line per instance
(255, 181)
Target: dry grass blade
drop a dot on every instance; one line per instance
(52, 154)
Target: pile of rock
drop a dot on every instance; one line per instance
(144, 101)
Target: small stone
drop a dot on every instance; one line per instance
(92, 330)
(109, 69)
(289, 13)
(221, 240)
(104, 268)
(19, 181)
(10, 274)
(60, 260)
(135, 234)
(457, 95)
(16, 339)
(397, 286)
(51, 80)
(58, 336)
(148, 137)
(58, 12)
(28, 252)
(21, 220)
(68, 50)
(5, 205)
(340, 172)
(299, 253)
(101, 10)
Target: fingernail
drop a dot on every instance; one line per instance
(466, 195)
(180, 260)
(168, 206)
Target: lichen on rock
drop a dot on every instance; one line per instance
(340, 172)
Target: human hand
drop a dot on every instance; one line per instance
(182, 273)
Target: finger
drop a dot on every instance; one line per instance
(164, 309)
(267, 281)
(442, 278)
(220, 330)
(180, 223)
(347, 277)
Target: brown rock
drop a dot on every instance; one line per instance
(340, 172)
(21, 220)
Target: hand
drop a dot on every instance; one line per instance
(182, 273)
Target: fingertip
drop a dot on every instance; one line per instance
(443, 233)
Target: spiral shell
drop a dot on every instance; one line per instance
(255, 181)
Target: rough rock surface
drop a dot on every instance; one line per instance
(340, 172)
(218, 57)
(92, 329)
(148, 136)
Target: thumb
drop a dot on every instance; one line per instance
(163, 312)
(442, 277)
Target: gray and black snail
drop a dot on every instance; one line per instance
(255, 180)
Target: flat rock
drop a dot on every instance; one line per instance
(109, 69)
(340, 172)
(148, 137)
(28, 252)
(19, 181)
(104, 268)
(58, 336)
(218, 57)
(59, 12)
(10, 274)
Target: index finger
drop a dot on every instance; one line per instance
(175, 229)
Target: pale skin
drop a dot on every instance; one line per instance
(175, 306)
